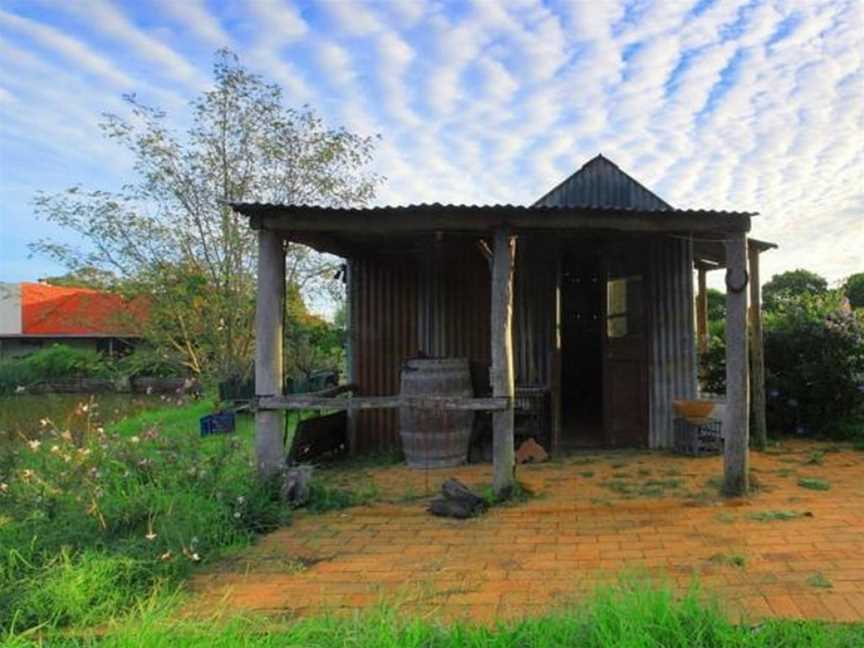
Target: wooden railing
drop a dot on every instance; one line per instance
(329, 399)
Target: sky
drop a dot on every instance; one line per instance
(751, 106)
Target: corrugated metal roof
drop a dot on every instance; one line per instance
(506, 209)
(600, 183)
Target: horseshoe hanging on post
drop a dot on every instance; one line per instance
(736, 284)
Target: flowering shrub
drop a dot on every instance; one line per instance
(89, 524)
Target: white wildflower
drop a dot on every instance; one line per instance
(240, 499)
(55, 449)
(66, 435)
(34, 444)
(165, 556)
(134, 439)
(44, 422)
(4, 487)
(151, 536)
(237, 515)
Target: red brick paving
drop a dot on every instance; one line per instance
(530, 558)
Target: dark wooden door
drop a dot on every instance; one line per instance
(625, 335)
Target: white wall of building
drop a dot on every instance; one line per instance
(10, 309)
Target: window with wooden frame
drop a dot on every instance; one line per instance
(623, 306)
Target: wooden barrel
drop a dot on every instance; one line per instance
(434, 438)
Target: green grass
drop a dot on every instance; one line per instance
(814, 484)
(93, 524)
(815, 458)
(586, 473)
(731, 560)
(324, 497)
(819, 580)
(628, 616)
(778, 516)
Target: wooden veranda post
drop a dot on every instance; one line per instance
(757, 357)
(702, 312)
(504, 256)
(737, 426)
(269, 424)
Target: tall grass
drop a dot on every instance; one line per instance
(632, 615)
(90, 524)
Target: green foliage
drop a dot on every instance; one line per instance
(90, 526)
(311, 343)
(818, 580)
(148, 361)
(777, 516)
(814, 484)
(791, 285)
(170, 236)
(324, 497)
(54, 363)
(635, 614)
(716, 305)
(853, 288)
(814, 357)
(731, 560)
(814, 363)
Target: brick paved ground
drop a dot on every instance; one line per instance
(596, 516)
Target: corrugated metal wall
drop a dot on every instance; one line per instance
(384, 332)
(673, 344)
(534, 309)
(437, 303)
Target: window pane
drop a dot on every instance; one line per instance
(616, 297)
(616, 326)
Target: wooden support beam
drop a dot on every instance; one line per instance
(736, 430)
(555, 370)
(503, 453)
(702, 312)
(351, 302)
(312, 401)
(269, 425)
(757, 356)
(433, 218)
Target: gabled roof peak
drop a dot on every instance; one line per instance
(601, 183)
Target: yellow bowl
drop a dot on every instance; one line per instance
(693, 409)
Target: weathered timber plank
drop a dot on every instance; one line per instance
(383, 402)
(503, 385)
(757, 355)
(736, 429)
(269, 425)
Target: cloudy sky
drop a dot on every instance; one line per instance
(713, 104)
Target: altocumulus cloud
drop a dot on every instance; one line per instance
(752, 106)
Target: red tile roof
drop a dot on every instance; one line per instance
(58, 310)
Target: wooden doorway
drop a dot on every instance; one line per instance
(625, 335)
(581, 348)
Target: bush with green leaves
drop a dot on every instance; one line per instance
(814, 364)
(56, 362)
